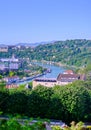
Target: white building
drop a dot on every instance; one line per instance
(9, 63)
(13, 66)
(13, 59)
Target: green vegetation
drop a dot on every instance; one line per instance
(2, 85)
(28, 71)
(72, 52)
(14, 123)
(66, 103)
(85, 70)
(74, 126)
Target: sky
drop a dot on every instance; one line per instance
(30, 21)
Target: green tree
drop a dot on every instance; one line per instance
(17, 103)
(39, 102)
(11, 73)
(75, 100)
(1, 76)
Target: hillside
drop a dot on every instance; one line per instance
(72, 52)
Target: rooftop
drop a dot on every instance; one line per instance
(45, 80)
(68, 77)
(69, 72)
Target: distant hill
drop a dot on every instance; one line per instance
(72, 52)
(34, 44)
(3, 45)
(29, 44)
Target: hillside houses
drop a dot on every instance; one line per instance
(62, 79)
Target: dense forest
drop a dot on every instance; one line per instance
(72, 52)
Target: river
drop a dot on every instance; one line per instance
(55, 70)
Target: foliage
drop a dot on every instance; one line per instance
(11, 73)
(74, 126)
(14, 123)
(75, 100)
(72, 52)
(66, 103)
(1, 76)
(56, 128)
(18, 123)
(39, 102)
(2, 85)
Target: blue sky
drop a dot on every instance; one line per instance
(44, 20)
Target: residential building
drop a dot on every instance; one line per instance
(64, 79)
(2, 66)
(13, 66)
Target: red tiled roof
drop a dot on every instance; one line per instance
(69, 72)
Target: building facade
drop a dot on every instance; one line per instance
(44, 82)
(10, 63)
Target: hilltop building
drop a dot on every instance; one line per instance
(62, 79)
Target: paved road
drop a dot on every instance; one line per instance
(48, 127)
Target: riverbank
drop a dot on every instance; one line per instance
(29, 78)
(57, 64)
(50, 62)
(53, 71)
